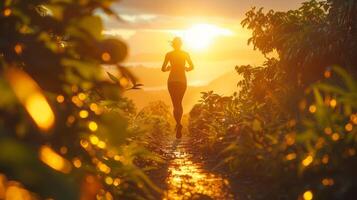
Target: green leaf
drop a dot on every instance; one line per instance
(349, 80)
(113, 78)
(87, 70)
(86, 26)
(7, 96)
(93, 25)
(56, 11)
(318, 97)
(330, 88)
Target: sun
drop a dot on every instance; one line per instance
(201, 36)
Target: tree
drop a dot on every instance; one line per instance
(308, 40)
(63, 124)
(292, 124)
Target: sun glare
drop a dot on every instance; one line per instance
(201, 36)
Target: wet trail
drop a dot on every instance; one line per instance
(186, 178)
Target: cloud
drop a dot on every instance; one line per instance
(221, 8)
(149, 24)
(180, 14)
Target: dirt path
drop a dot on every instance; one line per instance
(185, 177)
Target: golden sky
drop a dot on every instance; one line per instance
(210, 28)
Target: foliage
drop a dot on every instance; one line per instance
(208, 119)
(291, 126)
(156, 121)
(156, 118)
(307, 39)
(330, 136)
(64, 124)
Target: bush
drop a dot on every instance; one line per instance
(64, 123)
(291, 125)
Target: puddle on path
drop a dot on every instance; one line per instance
(188, 180)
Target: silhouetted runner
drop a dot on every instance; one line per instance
(177, 82)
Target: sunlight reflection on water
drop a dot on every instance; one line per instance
(188, 180)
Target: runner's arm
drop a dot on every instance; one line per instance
(164, 67)
(190, 63)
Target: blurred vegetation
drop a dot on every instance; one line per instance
(291, 127)
(155, 122)
(155, 118)
(65, 129)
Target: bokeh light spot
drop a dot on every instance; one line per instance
(40, 111)
(106, 57)
(116, 182)
(7, 12)
(93, 126)
(83, 114)
(312, 108)
(82, 96)
(328, 182)
(109, 180)
(54, 160)
(335, 137)
(124, 82)
(77, 162)
(30, 95)
(60, 98)
(327, 74)
(84, 143)
(333, 103)
(328, 131)
(291, 156)
(102, 144)
(93, 139)
(63, 150)
(18, 49)
(353, 118)
(325, 159)
(349, 127)
(308, 195)
(308, 160)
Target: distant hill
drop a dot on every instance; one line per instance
(155, 88)
(150, 77)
